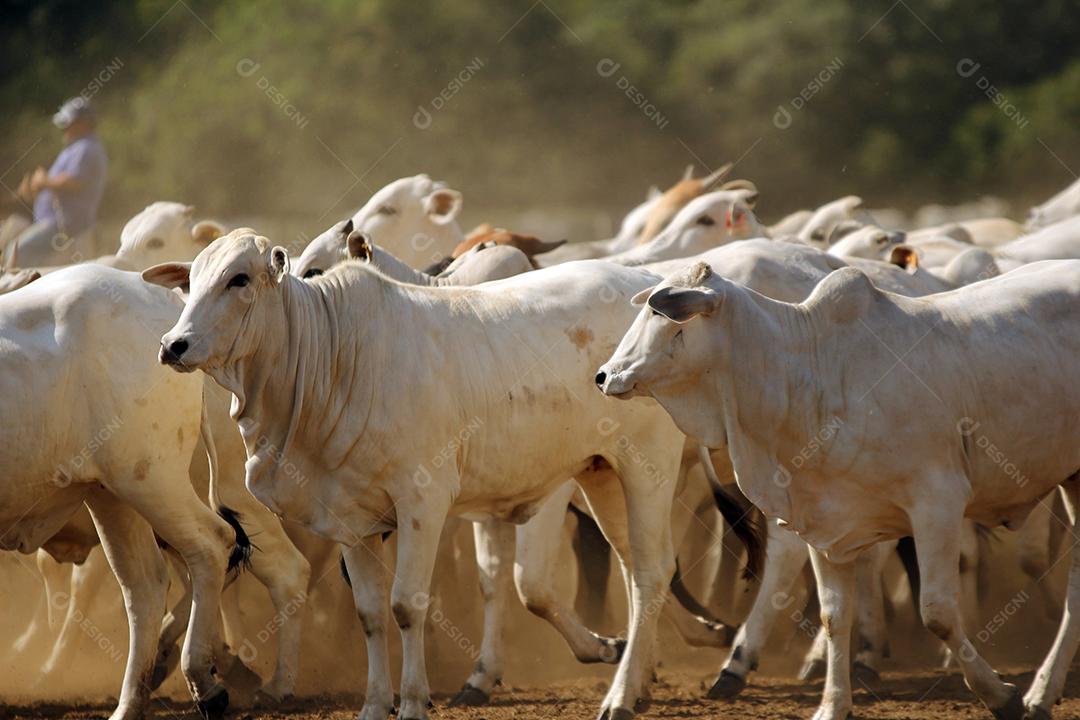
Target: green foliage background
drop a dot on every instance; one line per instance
(537, 125)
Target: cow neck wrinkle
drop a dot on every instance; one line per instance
(303, 364)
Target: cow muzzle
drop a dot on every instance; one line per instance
(172, 352)
(615, 384)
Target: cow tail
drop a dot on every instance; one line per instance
(747, 524)
(240, 555)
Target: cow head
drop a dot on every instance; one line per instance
(1060, 207)
(709, 221)
(225, 285)
(666, 350)
(163, 232)
(867, 241)
(820, 225)
(664, 210)
(413, 218)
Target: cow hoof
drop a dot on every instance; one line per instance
(1035, 712)
(1014, 708)
(214, 708)
(470, 696)
(264, 698)
(866, 676)
(376, 711)
(727, 686)
(616, 714)
(612, 649)
(813, 670)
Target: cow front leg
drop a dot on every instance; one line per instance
(1049, 682)
(495, 558)
(132, 552)
(936, 530)
(836, 590)
(420, 525)
(368, 570)
(786, 556)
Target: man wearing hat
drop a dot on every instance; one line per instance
(66, 197)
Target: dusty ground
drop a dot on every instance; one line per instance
(934, 695)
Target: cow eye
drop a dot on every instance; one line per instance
(239, 280)
(705, 220)
(313, 272)
(818, 234)
(155, 243)
(881, 239)
(386, 210)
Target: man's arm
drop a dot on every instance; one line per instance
(62, 182)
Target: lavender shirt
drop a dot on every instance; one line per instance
(75, 211)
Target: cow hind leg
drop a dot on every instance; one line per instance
(1049, 681)
(785, 558)
(86, 582)
(130, 547)
(594, 567)
(872, 633)
(537, 556)
(173, 625)
(495, 558)
(937, 530)
(285, 573)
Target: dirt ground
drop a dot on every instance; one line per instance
(937, 695)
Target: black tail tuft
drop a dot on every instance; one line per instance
(344, 571)
(748, 525)
(240, 556)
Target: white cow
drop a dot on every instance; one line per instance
(1059, 241)
(713, 219)
(1062, 206)
(790, 272)
(162, 232)
(415, 218)
(323, 372)
(88, 416)
(481, 264)
(646, 221)
(817, 229)
(765, 378)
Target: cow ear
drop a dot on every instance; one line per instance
(205, 232)
(737, 215)
(169, 275)
(681, 305)
(360, 246)
(442, 205)
(279, 263)
(904, 256)
(642, 296)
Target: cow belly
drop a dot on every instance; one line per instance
(31, 524)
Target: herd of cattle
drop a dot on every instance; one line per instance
(859, 384)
